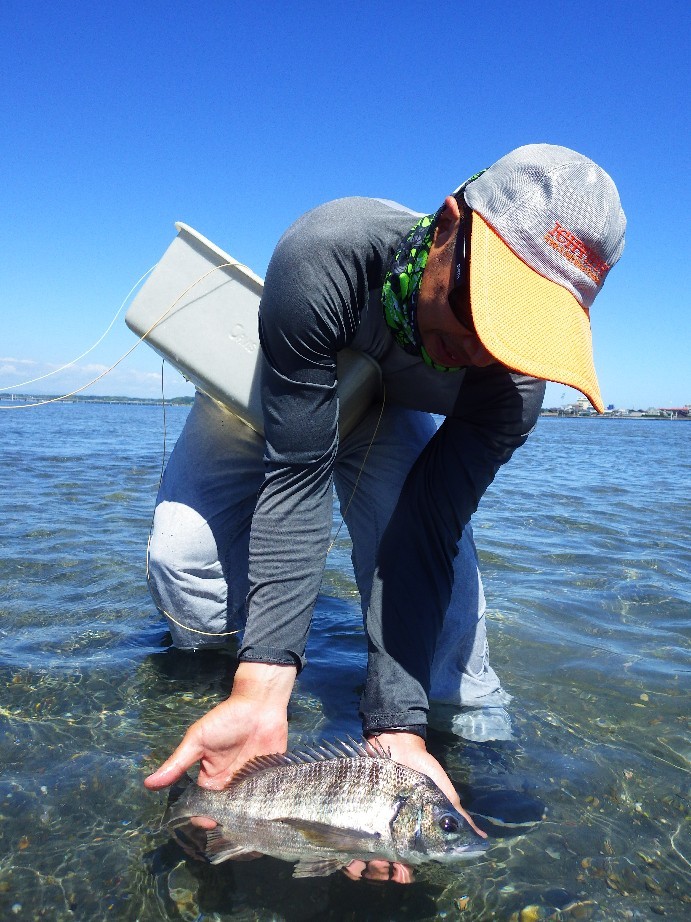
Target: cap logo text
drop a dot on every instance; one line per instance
(573, 249)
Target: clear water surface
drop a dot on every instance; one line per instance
(584, 542)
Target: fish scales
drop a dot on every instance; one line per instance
(324, 807)
(349, 791)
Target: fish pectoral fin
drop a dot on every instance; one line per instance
(318, 867)
(176, 816)
(333, 837)
(219, 848)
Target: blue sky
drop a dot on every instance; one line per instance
(119, 119)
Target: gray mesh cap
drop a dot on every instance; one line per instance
(547, 227)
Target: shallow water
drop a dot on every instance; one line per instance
(584, 543)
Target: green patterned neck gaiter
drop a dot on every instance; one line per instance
(401, 288)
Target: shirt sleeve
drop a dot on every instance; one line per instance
(308, 313)
(495, 412)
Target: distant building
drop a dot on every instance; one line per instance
(582, 407)
(674, 412)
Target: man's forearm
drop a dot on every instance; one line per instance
(288, 544)
(415, 575)
(264, 683)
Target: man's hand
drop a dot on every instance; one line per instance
(380, 870)
(253, 721)
(410, 749)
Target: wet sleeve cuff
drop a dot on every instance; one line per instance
(411, 721)
(418, 729)
(273, 655)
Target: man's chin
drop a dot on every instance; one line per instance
(440, 355)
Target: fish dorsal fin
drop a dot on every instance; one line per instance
(324, 835)
(319, 867)
(258, 765)
(324, 752)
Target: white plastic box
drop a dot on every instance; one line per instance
(199, 309)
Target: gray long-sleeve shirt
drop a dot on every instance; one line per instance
(322, 294)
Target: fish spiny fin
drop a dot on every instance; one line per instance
(320, 867)
(259, 765)
(374, 750)
(324, 752)
(340, 749)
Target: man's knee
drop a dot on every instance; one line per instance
(186, 578)
(181, 542)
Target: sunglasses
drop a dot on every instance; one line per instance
(459, 296)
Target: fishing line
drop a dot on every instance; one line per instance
(78, 390)
(362, 467)
(165, 431)
(11, 387)
(344, 512)
(41, 403)
(681, 854)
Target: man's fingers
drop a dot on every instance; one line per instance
(203, 822)
(378, 869)
(410, 750)
(354, 870)
(164, 776)
(402, 874)
(471, 822)
(441, 779)
(174, 767)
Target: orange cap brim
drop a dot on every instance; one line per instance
(527, 322)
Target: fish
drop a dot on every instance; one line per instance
(325, 806)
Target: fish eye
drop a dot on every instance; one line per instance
(449, 823)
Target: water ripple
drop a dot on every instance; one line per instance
(583, 542)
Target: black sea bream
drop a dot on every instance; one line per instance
(323, 807)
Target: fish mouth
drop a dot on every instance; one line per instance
(463, 852)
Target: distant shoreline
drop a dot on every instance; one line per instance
(135, 401)
(551, 413)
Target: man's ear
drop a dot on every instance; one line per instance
(448, 221)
